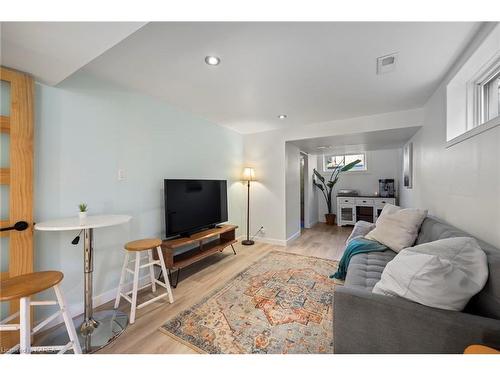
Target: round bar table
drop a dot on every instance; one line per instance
(96, 330)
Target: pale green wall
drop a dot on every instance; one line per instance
(86, 130)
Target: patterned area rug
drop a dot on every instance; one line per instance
(281, 304)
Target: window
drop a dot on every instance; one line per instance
(332, 162)
(473, 93)
(487, 97)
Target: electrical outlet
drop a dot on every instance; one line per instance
(262, 230)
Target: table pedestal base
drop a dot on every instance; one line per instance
(111, 323)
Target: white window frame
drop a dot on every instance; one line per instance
(479, 105)
(465, 99)
(325, 156)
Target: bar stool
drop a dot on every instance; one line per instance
(138, 247)
(23, 287)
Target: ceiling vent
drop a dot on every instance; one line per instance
(387, 63)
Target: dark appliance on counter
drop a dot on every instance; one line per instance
(386, 188)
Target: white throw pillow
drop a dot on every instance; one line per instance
(396, 227)
(444, 274)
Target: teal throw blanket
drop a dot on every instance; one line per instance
(356, 246)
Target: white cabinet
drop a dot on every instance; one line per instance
(349, 208)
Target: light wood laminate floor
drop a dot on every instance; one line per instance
(202, 278)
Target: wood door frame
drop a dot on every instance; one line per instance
(19, 176)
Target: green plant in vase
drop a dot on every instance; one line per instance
(82, 215)
(326, 186)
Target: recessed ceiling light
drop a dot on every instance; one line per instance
(212, 60)
(282, 117)
(323, 147)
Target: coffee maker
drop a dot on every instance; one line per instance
(386, 188)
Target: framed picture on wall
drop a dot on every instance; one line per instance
(408, 165)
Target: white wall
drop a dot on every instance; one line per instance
(381, 164)
(459, 184)
(292, 191)
(266, 152)
(267, 201)
(85, 131)
(310, 193)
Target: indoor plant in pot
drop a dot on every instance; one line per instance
(326, 186)
(82, 215)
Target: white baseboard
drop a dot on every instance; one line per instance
(77, 308)
(293, 237)
(271, 241)
(275, 241)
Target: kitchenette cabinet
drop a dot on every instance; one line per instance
(351, 209)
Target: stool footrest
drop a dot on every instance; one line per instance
(126, 297)
(150, 264)
(9, 318)
(43, 303)
(10, 327)
(45, 322)
(144, 304)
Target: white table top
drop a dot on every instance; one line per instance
(73, 223)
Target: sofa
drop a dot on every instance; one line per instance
(365, 322)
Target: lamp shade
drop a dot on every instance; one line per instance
(248, 174)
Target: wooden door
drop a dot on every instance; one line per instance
(16, 180)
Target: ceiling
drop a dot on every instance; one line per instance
(312, 72)
(51, 51)
(367, 141)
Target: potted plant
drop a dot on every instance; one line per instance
(326, 187)
(82, 215)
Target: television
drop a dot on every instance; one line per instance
(193, 205)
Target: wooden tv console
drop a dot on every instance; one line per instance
(206, 243)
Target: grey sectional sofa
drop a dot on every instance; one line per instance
(365, 322)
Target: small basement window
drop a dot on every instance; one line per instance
(487, 97)
(332, 162)
(473, 94)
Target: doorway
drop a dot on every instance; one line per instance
(303, 173)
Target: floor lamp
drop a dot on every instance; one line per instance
(248, 175)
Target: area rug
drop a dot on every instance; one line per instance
(283, 303)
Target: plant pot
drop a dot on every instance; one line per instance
(330, 219)
(82, 216)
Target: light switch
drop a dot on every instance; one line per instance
(121, 174)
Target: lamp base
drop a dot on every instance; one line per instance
(247, 242)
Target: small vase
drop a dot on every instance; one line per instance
(82, 216)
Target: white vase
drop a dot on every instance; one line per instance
(83, 217)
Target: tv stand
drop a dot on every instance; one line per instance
(207, 242)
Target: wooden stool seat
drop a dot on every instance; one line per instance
(142, 245)
(28, 284)
(23, 287)
(480, 349)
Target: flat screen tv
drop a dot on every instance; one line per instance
(193, 205)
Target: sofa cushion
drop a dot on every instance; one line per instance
(444, 274)
(487, 301)
(397, 228)
(365, 269)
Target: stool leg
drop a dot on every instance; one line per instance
(165, 275)
(152, 271)
(25, 326)
(135, 287)
(122, 280)
(70, 327)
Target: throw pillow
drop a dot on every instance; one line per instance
(361, 229)
(444, 274)
(397, 227)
